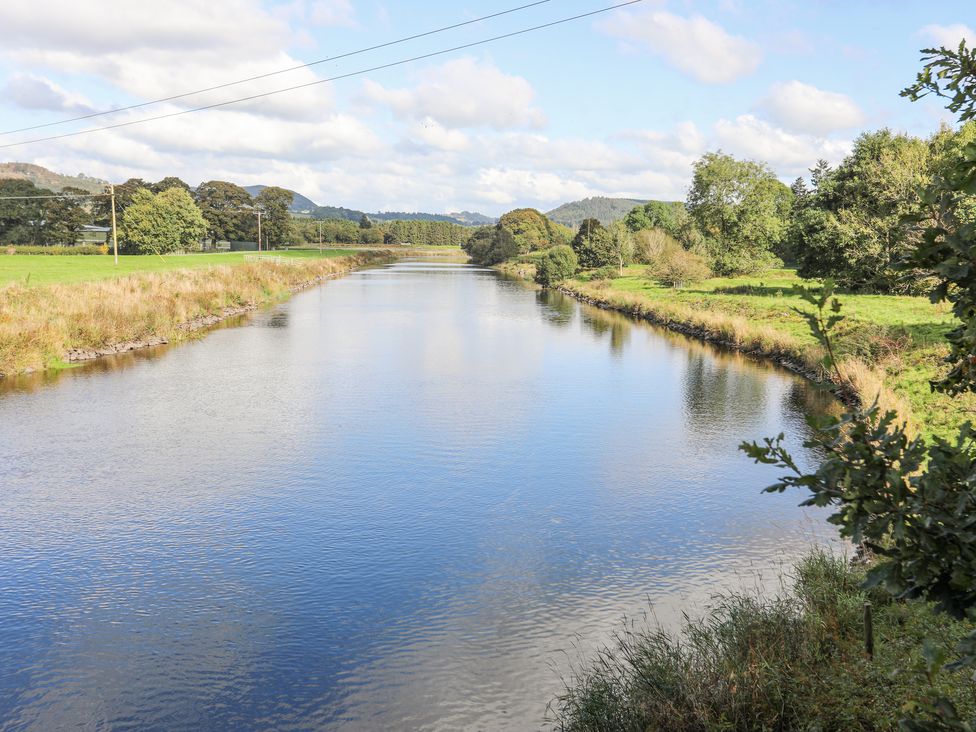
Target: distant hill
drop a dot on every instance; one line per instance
(299, 203)
(472, 218)
(606, 210)
(44, 178)
(419, 216)
(465, 218)
(303, 205)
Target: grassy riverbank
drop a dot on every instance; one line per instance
(795, 662)
(43, 270)
(41, 323)
(890, 345)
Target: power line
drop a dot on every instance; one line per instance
(324, 81)
(280, 71)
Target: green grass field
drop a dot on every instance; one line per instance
(44, 269)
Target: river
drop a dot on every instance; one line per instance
(408, 499)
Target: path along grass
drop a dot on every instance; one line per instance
(890, 345)
(88, 306)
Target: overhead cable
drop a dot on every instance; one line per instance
(275, 73)
(360, 72)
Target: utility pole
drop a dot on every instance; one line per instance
(115, 238)
(259, 230)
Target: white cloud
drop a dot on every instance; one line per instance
(337, 13)
(787, 153)
(429, 134)
(804, 108)
(949, 35)
(463, 93)
(160, 54)
(35, 92)
(508, 187)
(694, 45)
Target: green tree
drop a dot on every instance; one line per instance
(622, 243)
(158, 223)
(670, 264)
(64, 217)
(226, 207)
(364, 222)
(594, 245)
(557, 264)
(170, 181)
(124, 194)
(853, 226)
(531, 229)
(912, 502)
(491, 245)
(274, 202)
(21, 219)
(671, 217)
(741, 209)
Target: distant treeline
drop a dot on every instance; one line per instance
(855, 223)
(464, 218)
(170, 216)
(366, 231)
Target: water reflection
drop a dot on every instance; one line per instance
(402, 506)
(556, 308)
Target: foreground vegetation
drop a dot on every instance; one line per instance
(40, 324)
(793, 662)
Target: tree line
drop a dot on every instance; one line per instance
(369, 232)
(159, 217)
(855, 223)
(169, 216)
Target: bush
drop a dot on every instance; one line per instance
(555, 265)
(672, 265)
(788, 663)
(606, 272)
(60, 250)
(491, 245)
(594, 245)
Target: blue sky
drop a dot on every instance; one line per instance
(618, 104)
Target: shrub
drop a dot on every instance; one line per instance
(672, 265)
(555, 265)
(790, 663)
(491, 245)
(606, 272)
(649, 243)
(594, 245)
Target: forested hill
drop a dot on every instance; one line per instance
(607, 210)
(464, 218)
(48, 179)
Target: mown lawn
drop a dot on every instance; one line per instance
(45, 269)
(901, 336)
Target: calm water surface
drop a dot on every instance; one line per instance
(407, 499)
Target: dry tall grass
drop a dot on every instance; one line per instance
(39, 325)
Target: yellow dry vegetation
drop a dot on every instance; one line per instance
(40, 324)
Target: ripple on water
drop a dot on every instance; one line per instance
(412, 503)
